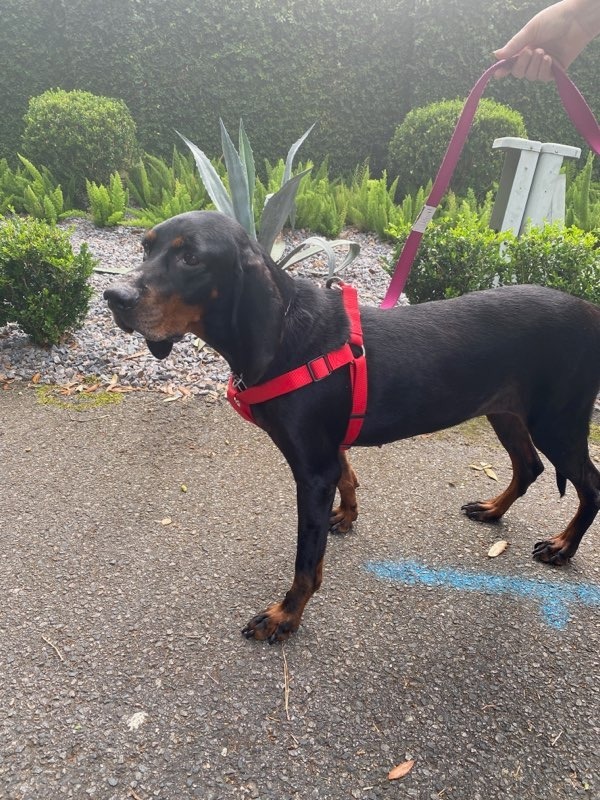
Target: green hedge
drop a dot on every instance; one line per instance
(355, 68)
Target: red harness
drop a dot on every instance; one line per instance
(243, 399)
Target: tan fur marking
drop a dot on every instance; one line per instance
(346, 513)
(166, 316)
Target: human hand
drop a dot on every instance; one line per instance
(559, 32)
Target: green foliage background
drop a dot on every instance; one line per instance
(420, 141)
(43, 284)
(78, 136)
(355, 67)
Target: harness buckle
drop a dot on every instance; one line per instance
(318, 374)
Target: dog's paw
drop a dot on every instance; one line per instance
(274, 624)
(341, 518)
(556, 551)
(481, 511)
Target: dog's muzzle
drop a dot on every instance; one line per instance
(122, 300)
(121, 297)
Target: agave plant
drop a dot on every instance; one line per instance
(238, 201)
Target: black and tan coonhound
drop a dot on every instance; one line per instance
(526, 357)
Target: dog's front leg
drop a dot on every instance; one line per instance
(315, 498)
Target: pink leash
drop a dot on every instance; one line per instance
(575, 106)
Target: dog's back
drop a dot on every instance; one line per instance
(511, 349)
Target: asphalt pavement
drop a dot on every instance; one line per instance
(138, 538)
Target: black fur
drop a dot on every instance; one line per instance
(527, 357)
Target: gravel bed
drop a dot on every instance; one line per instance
(101, 350)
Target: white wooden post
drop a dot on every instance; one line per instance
(520, 161)
(546, 201)
(531, 190)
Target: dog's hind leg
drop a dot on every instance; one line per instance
(346, 513)
(526, 466)
(564, 442)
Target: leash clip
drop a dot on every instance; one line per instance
(238, 383)
(334, 281)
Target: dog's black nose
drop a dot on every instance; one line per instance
(122, 296)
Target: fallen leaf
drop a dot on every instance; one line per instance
(490, 473)
(401, 770)
(483, 466)
(183, 487)
(166, 521)
(36, 378)
(121, 389)
(497, 548)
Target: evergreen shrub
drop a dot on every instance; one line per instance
(77, 136)
(420, 141)
(462, 255)
(43, 284)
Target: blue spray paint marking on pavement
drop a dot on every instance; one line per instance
(554, 597)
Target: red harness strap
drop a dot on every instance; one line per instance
(243, 399)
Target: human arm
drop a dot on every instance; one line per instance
(559, 32)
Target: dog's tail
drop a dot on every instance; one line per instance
(561, 482)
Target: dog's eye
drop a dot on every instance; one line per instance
(145, 250)
(191, 259)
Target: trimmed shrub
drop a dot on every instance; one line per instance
(43, 286)
(77, 136)
(460, 256)
(564, 258)
(455, 257)
(420, 141)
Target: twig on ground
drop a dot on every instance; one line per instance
(286, 684)
(54, 647)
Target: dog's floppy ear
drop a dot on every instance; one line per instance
(256, 302)
(237, 289)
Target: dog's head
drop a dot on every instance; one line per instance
(195, 268)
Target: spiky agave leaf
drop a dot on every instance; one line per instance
(241, 199)
(247, 158)
(287, 172)
(211, 180)
(277, 209)
(316, 244)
